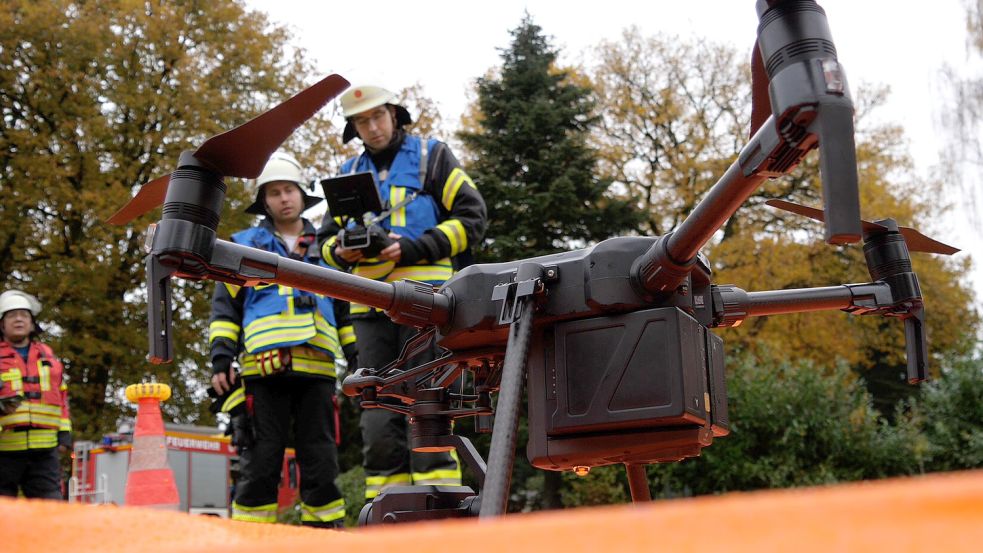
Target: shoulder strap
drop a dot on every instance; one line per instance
(355, 162)
(424, 143)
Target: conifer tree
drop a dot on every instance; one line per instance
(532, 161)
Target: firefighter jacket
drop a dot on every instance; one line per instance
(444, 218)
(43, 410)
(278, 328)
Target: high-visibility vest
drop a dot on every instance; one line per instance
(44, 410)
(404, 178)
(276, 316)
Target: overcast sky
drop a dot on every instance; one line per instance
(445, 45)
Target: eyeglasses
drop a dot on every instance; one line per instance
(377, 116)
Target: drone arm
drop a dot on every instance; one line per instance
(406, 301)
(810, 107)
(732, 305)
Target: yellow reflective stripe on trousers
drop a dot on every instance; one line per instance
(446, 477)
(453, 229)
(261, 513)
(347, 335)
(28, 439)
(375, 484)
(223, 329)
(325, 513)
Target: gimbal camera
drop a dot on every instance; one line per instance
(355, 198)
(613, 341)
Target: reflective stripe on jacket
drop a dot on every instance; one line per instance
(276, 316)
(43, 411)
(410, 220)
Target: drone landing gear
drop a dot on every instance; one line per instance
(638, 483)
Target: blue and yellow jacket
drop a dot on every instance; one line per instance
(265, 322)
(446, 216)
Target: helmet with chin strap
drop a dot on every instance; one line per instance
(280, 167)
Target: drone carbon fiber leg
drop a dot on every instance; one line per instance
(501, 456)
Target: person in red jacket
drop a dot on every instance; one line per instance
(34, 422)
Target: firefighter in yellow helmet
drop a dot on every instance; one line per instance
(287, 342)
(436, 215)
(34, 421)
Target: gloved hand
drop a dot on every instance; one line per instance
(221, 364)
(351, 357)
(410, 252)
(65, 439)
(223, 378)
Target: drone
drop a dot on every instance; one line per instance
(613, 342)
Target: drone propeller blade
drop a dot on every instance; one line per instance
(916, 241)
(148, 197)
(243, 151)
(818, 214)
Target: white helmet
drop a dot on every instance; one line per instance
(281, 167)
(15, 299)
(363, 98)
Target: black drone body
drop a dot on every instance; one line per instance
(613, 342)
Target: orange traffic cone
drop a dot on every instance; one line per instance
(150, 481)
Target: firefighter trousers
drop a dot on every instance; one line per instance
(281, 405)
(37, 472)
(387, 458)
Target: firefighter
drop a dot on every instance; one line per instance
(287, 342)
(437, 214)
(33, 403)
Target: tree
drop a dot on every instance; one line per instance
(950, 414)
(96, 98)
(794, 426)
(962, 156)
(673, 116)
(532, 162)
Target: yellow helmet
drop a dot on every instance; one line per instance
(360, 99)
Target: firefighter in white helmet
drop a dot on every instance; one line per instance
(437, 214)
(34, 421)
(286, 341)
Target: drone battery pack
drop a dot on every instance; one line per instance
(641, 387)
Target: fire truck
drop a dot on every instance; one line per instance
(204, 463)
